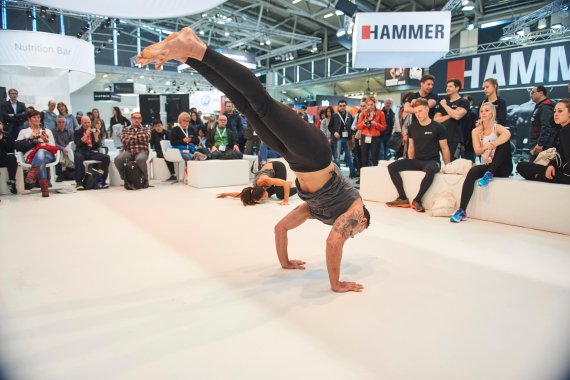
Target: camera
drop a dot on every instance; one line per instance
(367, 123)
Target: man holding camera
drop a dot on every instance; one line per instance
(135, 141)
(87, 143)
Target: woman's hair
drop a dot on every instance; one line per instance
(33, 112)
(96, 110)
(192, 113)
(97, 121)
(371, 98)
(118, 113)
(251, 195)
(183, 116)
(494, 82)
(329, 109)
(62, 104)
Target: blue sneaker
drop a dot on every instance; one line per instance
(484, 182)
(459, 216)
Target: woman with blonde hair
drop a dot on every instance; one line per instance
(491, 142)
(371, 123)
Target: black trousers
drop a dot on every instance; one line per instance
(535, 172)
(501, 166)
(305, 148)
(81, 156)
(430, 167)
(373, 148)
(10, 162)
(169, 164)
(281, 173)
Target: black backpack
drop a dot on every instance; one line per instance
(134, 177)
(93, 178)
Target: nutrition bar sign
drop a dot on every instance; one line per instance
(106, 96)
(400, 39)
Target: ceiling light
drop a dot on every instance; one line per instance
(339, 12)
(130, 80)
(167, 83)
(328, 15)
(202, 32)
(105, 75)
(226, 34)
(470, 26)
(262, 43)
(557, 26)
(296, 1)
(468, 6)
(141, 77)
(542, 23)
(204, 14)
(268, 42)
(341, 32)
(506, 38)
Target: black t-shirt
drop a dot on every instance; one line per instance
(426, 139)
(501, 108)
(417, 95)
(454, 127)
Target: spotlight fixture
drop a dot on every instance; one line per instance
(330, 14)
(338, 12)
(541, 23)
(296, 1)
(43, 12)
(30, 14)
(202, 32)
(173, 83)
(51, 17)
(341, 32)
(268, 42)
(467, 5)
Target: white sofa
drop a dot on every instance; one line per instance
(218, 173)
(514, 201)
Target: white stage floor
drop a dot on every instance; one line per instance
(172, 283)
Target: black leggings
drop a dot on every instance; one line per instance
(9, 161)
(281, 173)
(373, 148)
(430, 167)
(501, 166)
(535, 172)
(305, 148)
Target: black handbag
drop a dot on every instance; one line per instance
(395, 141)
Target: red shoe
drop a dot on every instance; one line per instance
(32, 174)
(44, 186)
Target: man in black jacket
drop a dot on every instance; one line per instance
(340, 129)
(543, 131)
(385, 136)
(13, 113)
(87, 144)
(235, 124)
(158, 134)
(7, 157)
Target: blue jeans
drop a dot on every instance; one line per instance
(384, 150)
(41, 159)
(342, 146)
(265, 152)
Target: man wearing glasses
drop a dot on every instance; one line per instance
(542, 129)
(135, 141)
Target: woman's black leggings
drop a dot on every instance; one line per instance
(281, 173)
(305, 148)
(372, 148)
(535, 172)
(501, 166)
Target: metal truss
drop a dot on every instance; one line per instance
(547, 10)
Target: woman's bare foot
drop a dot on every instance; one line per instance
(178, 46)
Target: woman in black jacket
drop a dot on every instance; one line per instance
(7, 158)
(117, 118)
(491, 90)
(558, 169)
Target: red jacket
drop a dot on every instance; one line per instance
(377, 124)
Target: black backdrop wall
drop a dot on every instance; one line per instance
(175, 104)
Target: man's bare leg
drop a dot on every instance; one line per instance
(178, 46)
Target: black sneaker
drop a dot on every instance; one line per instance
(13, 189)
(59, 178)
(417, 205)
(79, 186)
(398, 202)
(172, 178)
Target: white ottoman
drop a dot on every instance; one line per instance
(218, 173)
(159, 169)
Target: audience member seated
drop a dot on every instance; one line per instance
(116, 125)
(184, 138)
(425, 140)
(38, 146)
(223, 142)
(158, 134)
(97, 117)
(271, 179)
(211, 123)
(62, 137)
(558, 169)
(7, 158)
(87, 144)
(135, 140)
(195, 120)
(491, 142)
